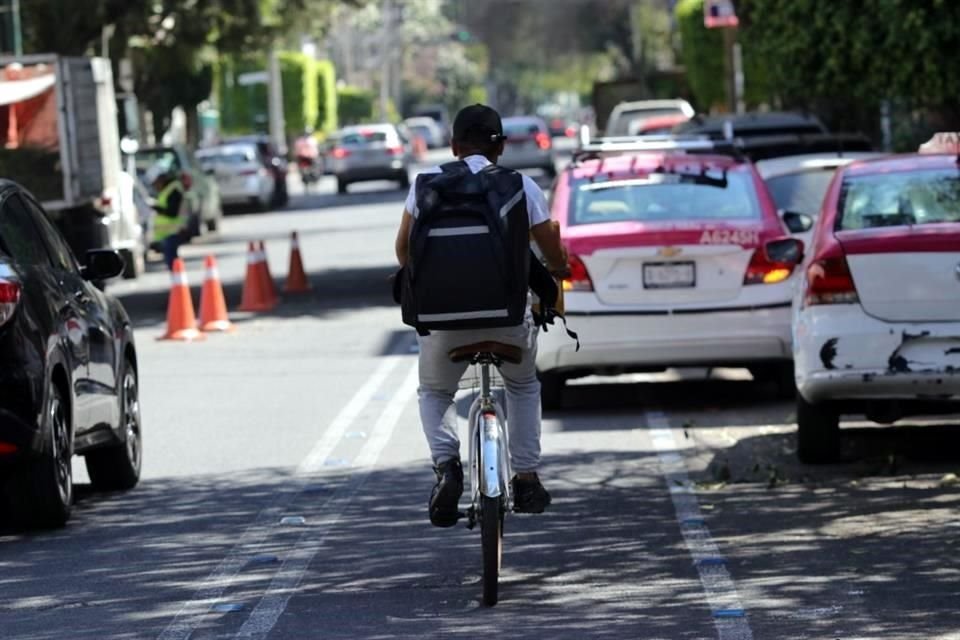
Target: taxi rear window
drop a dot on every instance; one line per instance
(364, 137)
(664, 197)
(895, 199)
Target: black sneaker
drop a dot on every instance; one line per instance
(529, 496)
(445, 497)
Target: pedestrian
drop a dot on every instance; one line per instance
(517, 207)
(171, 224)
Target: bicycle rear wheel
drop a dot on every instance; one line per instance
(491, 539)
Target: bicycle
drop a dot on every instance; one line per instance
(491, 496)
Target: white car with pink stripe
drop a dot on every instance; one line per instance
(877, 316)
(676, 259)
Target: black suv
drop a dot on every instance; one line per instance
(69, 382)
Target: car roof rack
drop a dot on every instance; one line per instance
(600, 148)
(742, 149)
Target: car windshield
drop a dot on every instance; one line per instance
(363, 137)
(664, 197)
(892, 199)
(164, 158)
(801, 192)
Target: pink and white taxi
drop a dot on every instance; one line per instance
(877, 315)
(676, 259)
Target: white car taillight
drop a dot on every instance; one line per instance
(829, 282)
(762, 270)
(579, 279)
(9, 298)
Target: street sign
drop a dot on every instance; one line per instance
(719, 14)
(253, 77)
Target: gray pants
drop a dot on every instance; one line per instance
(439, 380)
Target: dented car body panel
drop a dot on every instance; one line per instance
(843, 353)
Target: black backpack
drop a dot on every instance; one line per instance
(469, 259)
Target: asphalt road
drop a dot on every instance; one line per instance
(286, 479)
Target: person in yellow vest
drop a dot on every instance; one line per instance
(171, 224)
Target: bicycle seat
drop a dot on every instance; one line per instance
(506, 352)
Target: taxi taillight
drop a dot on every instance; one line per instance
(9, 298)
(829, 281)
(762, 270)
(579, 279)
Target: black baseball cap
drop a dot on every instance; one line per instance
(478, 124)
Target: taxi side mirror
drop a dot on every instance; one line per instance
(785, 251)
(797, 222)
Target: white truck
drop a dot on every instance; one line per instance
(60, 140)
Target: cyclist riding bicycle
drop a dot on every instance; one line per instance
(478, 142)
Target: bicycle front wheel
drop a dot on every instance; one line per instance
(491, 538)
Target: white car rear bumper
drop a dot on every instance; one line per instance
(843, 353)
(732, 337)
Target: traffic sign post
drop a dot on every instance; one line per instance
(719, 14)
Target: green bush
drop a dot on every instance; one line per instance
(298, 75)
(326, 97)
(354, 105)
(243, 109)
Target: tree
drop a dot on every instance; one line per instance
(843, 59)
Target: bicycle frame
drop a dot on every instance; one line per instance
(489, 446)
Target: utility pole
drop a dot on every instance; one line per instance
(13, 38)
(275, 103)
(386, 62)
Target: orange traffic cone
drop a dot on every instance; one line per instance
(271, 286)
(213, 307)
(181, 321)
(255, 295)
(296, 277)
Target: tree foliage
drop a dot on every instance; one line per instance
(843, 58)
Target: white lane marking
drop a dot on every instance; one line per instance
(287, 580)
(729, 615)
(190, 615)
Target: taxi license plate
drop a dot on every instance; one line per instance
(669, 275)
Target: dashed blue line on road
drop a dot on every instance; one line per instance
(227, 607)
(711, 562)
(729, 615)
(293, 521)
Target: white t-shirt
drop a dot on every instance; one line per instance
(537, 210)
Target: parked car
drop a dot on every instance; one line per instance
(439, 114)
(630, 114)
(657, 125)
(877, 315)
(274, 161)
(753, 124)
(528, 145)
(70, 368)
(676, 260)
(202, 194)
(371, 152)
(241, 173)
(428, 129)
(798, 184)
(562, 128)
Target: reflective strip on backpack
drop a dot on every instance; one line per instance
(459, 231)
(505, 209)
(466, 315)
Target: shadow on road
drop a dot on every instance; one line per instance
(334, 290)
(381, 570)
